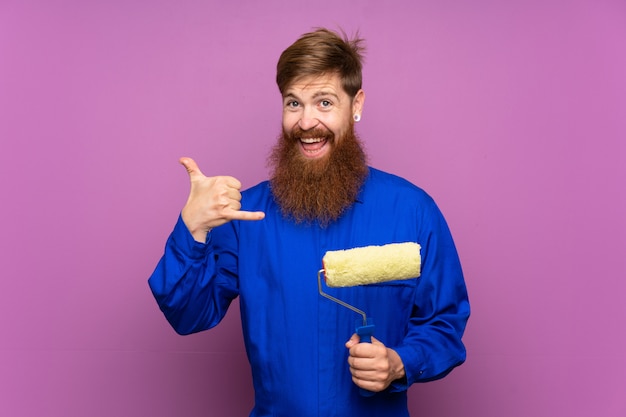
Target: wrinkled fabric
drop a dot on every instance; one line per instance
(294, 337)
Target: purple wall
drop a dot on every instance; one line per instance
(513, 116)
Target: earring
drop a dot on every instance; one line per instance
(357, 117)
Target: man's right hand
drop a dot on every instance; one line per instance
(212, 202)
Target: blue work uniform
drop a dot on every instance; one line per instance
(295, 338)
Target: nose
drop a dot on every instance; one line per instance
(307, 119)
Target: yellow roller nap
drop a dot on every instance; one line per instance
(372, 264)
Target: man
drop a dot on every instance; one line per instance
(265, 245)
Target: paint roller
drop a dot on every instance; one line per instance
(368, 265)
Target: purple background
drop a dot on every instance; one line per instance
(511, 114)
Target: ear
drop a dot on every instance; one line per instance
(357, 102)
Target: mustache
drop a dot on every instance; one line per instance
(297, 133)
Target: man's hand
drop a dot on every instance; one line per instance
(373, 365)
(212, 202)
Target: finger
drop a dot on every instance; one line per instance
(364, 350)
(246, 215)
(364, 375)
(192, 168)
(232, 182)
(360, 362)
(368, 383)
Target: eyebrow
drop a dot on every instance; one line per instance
(325, 93)
(316, 95)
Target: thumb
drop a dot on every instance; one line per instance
(192, 168)
(353, 341)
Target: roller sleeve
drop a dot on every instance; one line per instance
(372, 264)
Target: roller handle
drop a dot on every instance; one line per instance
(365, 332)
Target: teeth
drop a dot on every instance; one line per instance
(311, 140)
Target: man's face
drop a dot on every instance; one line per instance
(318, 163)
(318, 111)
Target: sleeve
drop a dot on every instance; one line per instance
(191, 290)
(432, 346)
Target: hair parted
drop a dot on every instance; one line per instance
(322, 52)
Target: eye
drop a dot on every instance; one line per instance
(292, 104)
(325, 103)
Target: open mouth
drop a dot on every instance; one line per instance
(313, 146)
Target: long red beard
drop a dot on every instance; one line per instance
(309, 190)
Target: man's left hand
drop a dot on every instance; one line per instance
(373, 365)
